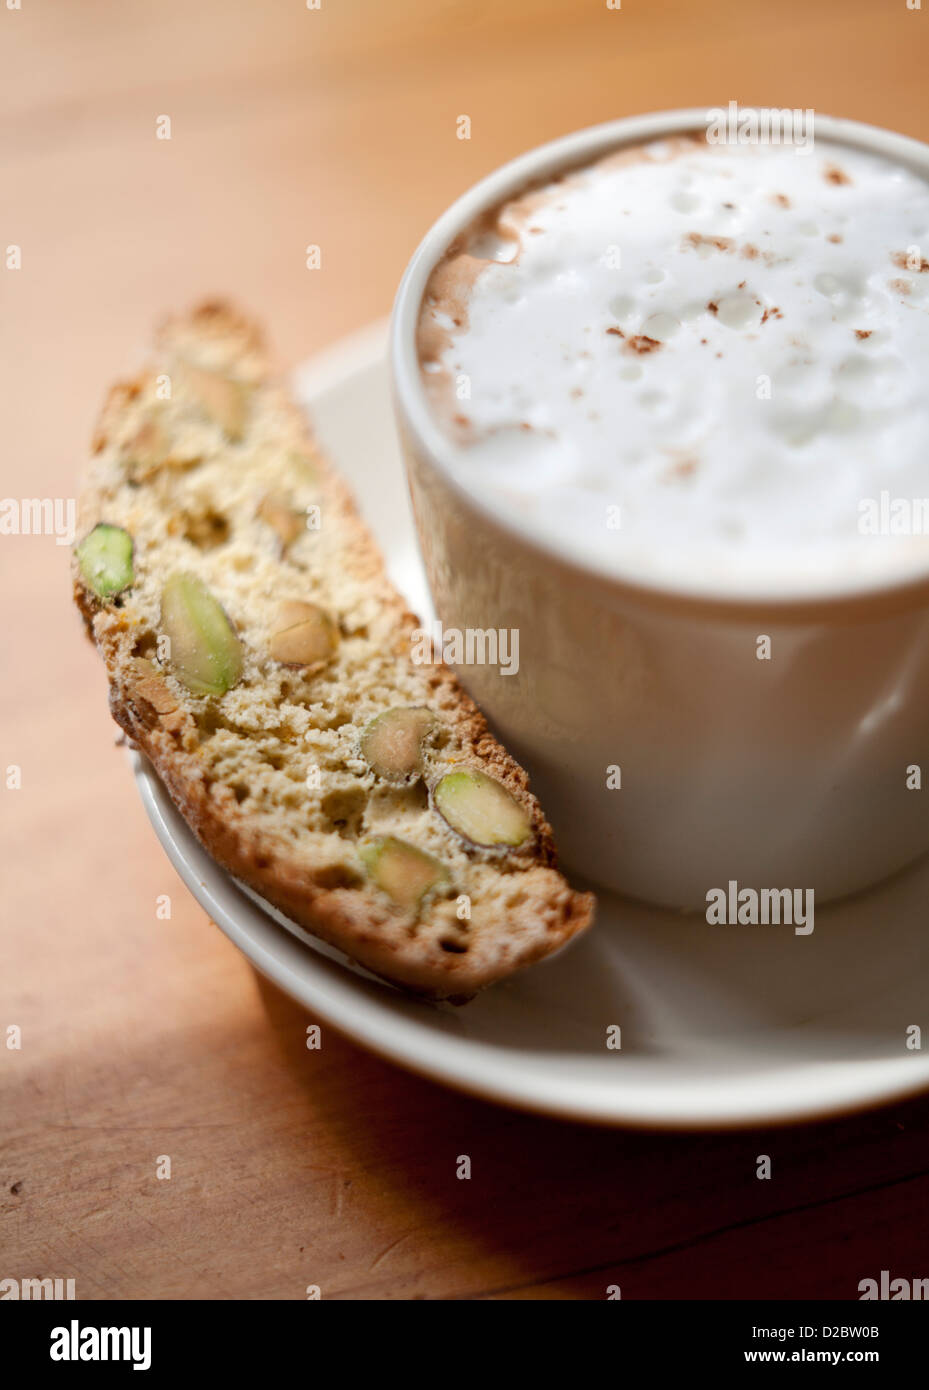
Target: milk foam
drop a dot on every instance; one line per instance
(698, 360)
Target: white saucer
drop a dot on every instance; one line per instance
(720, 1025)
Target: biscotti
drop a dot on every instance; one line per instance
(260, 658)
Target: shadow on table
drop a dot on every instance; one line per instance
(563, 1211)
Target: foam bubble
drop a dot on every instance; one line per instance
(739, 310)
(661, 326)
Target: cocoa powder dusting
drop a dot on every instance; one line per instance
(642, 344)
(684, 468)
(902, 262)
(697, 239)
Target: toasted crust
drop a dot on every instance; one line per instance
(188, 476)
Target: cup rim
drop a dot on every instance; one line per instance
(542, 162)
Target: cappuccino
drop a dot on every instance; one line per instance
(697, 358)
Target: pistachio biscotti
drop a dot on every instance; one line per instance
(259, 656)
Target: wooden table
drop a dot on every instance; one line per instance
(144, 1037)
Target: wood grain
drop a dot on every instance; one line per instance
(144, 1037)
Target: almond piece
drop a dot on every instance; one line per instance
(305, 635)
(277, 513)
(392, 743)
(225, 401)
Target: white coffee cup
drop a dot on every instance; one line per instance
(793, 772)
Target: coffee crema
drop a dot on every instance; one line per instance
(697, 358)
